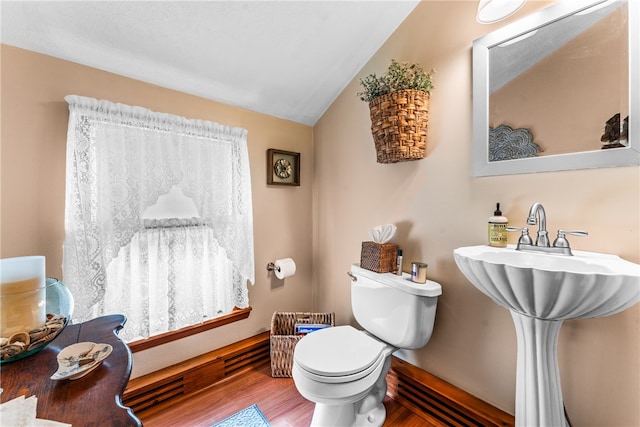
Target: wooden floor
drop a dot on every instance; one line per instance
(277, 398)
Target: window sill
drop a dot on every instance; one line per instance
(236, 315)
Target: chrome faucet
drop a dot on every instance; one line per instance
(538, 210)
(538, 216)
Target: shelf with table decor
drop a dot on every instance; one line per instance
(90, 399)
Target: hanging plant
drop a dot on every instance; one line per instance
(399, 76)
(399, 107)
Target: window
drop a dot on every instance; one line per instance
(127, 249)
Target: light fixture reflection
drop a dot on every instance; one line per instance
(594, 8)
(490, 11)
(518, 39)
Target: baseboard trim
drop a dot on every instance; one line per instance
(155, 391)
(434, 400)
(439, 402)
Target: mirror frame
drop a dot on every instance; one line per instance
(627, 156)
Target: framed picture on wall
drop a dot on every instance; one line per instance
(283, 167)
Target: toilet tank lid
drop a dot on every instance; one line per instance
(404, 283)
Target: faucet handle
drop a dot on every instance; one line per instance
(562, 242)
(525, 239)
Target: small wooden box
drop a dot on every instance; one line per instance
(379, 257)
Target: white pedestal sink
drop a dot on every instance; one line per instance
(541, 291)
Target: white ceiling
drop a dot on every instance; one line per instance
(288, 59)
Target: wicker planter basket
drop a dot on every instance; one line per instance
(283, 340)
(399, 125)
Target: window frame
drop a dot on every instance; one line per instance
(156, 340)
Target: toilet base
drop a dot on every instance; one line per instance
(366, 412)
(344, 416)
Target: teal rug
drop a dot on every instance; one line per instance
(248, 417)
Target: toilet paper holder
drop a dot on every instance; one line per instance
(282, 268)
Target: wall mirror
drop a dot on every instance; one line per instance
(559, 90)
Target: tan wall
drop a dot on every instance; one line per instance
(439, 206)
(34, 126)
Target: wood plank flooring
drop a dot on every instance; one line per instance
(277, 398)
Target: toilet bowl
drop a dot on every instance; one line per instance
(343, 369)
(337, 380)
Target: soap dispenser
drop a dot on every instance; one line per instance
(498, 229)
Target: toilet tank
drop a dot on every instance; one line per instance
(393, 308)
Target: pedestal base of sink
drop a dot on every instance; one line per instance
(538, 389)
(541, 290)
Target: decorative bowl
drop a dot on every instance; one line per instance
(58, 304)
(77, 360)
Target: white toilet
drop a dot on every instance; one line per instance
(343, 369)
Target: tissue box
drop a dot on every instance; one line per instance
(379, 257)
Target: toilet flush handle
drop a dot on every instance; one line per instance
(353, 276)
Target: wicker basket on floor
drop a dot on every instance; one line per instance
(283, 340)
(399, 125)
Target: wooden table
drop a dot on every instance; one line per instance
(93, 400)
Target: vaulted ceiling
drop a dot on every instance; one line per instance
(288, 59)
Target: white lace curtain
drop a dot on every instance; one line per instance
(120, 159)
(157, 279)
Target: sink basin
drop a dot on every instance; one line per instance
(542, 290)
(552, 287)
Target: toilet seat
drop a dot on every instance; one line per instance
(339, 354)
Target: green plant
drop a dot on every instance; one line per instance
(399, 76)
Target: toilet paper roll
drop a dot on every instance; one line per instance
(285, 267)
